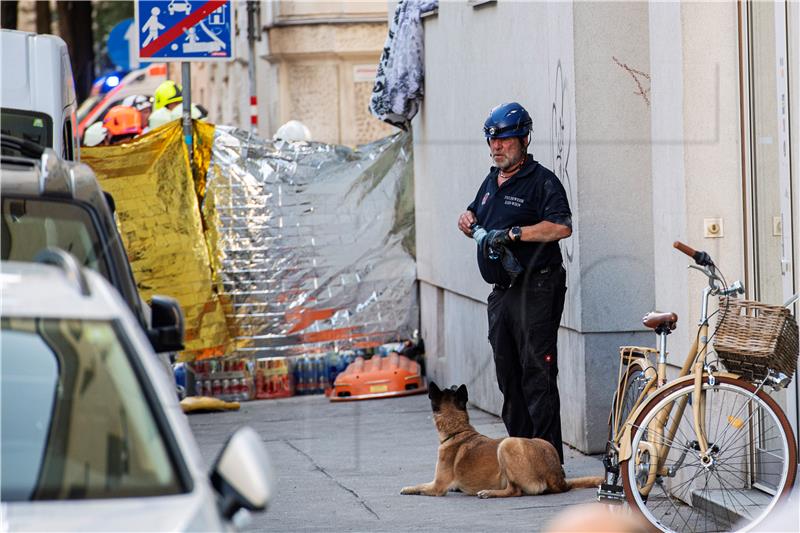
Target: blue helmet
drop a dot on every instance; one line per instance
(507, 120)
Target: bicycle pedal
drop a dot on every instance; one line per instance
(608, 492)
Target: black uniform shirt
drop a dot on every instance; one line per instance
(530, 196)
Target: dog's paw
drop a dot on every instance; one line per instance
(409, 490)
(483, 494)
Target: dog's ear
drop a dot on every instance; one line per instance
(434, 393)
(462, 396)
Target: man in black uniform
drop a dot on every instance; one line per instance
(524, 208)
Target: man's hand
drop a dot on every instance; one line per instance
(498, 237)
(466, 220)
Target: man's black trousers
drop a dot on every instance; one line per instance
(523, 329)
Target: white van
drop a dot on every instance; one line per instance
(38, 93)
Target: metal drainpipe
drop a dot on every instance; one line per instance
(253, 35)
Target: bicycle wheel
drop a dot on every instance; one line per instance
(632, 385)
(751, 463)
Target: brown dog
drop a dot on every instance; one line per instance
(491, 468)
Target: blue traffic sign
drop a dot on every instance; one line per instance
(121, 43)
(184, 30)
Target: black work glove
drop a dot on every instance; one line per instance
(494, 243)
(510, 264)
(498, 238)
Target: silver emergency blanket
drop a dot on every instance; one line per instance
(312, 244)
(400, 80)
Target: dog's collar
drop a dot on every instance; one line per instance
(447, 438)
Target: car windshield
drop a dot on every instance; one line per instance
(30, 225)
(75, 421)
(28, 125)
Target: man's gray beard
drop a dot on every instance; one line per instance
(510, 163)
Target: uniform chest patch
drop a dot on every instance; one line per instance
(513, 200)
(485, 198)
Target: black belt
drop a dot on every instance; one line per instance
(540, 271)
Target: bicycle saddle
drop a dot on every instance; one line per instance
(654, 320)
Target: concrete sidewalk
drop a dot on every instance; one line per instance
(340, 467)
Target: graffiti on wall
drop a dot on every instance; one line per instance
(561, 142)
(641, 79)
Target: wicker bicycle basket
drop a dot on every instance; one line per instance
(753, 337)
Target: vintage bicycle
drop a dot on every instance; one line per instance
(709, 450)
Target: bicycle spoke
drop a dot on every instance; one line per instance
(664, 440)
(728, 470)
(674, 507)
(676, 488)
(705, 507)
(725, 506)
(736, 416)
(744, 507)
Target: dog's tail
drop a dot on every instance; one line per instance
(589, 482)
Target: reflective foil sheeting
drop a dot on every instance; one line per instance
(159, 218)
(312, 244)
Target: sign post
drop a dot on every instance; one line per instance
(186, 81)
(185, 31)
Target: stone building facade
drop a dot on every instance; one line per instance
(315, 62)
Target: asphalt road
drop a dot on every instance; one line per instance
(340, 467)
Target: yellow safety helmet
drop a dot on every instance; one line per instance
(168, 92)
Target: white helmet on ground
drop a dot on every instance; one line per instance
(294, 130)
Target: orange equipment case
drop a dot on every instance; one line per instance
(378, 377)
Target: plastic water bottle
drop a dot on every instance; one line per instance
(305, 375)
(180, 377)
(322, 374)
(478, 233)
(295, 368)
(311, 382)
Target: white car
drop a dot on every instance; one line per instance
(92, 437)
(182, 6)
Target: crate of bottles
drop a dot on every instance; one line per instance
(273, 378)
(226, 379)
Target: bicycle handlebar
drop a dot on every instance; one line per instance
(701, 258)
(685, 248)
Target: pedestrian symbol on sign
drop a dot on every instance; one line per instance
(152, 26)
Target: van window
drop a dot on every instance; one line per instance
(28, 125)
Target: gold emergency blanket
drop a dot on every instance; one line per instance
(159, 218)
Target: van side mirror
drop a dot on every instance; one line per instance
(167, 326)
(242, 474)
